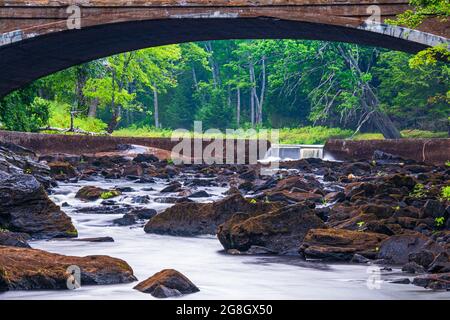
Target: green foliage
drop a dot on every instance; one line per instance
(110, 194)
(18, 112)
(419, 191)
(309, 89)
(423, 9)
(60, 118)
(312, 135)
(445, 193)
(439, 222)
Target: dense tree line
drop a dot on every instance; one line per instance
(271, 83)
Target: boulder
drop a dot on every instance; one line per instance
(26, 207)
(167, 283)
(144, 157)
(423, 258)
(172, 187)
(90, 193)
(340, 244)
(62, 169)
(396, 249)
(191, 218)
(441, 264)
(412, 267)
(126, 220)
(280, 231)
(30, 269)
(433, 281)
(15, 159)
(14, 239)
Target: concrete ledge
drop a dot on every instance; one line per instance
(433, 151)
(81, 144)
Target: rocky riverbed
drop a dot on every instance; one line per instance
(314, 229)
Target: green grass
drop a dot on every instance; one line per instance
(60, 118)
(305, 135)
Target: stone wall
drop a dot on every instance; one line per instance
(82, 144)
(433, 151)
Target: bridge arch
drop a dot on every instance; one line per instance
(35, 41)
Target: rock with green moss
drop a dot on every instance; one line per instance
(92, 193)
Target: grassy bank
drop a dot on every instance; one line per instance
(305, 135)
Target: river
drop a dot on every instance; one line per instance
(219, 276)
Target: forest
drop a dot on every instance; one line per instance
(301, 87)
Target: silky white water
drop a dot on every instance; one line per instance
(219, 276)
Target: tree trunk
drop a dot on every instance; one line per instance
(156, 106)
(263, 91)
(238, 107)
(379, 119)
(370, 102)
(252, 108)
(92, 112)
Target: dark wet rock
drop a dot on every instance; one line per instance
(115, 209)
(26, 207)
(15, 159)
(172, 187)
(441, 264)
(144, 213)
(108, 203)
(249, 175)
(357, 168)
(124, 189)
(126, 220)
(305, 183)
(246, 186)
(433, 209)
(232, 191)
(63, 170)
(357, 258)
(423, 258)
(288, 196)
(90, 193)
(379, 227)
(387, 157)
(30, 269)
(279, 230)
(144, 180)
(340, 244)
(412, 267)
(401, 281)
(14, 239)
(98, 239)
(335, 196)
(433, 281)
(200, 194)
(202, 183)
(167, 283)
(148, 158)
(65, 205)
(397, 249)
(140, 199)
(191, 218)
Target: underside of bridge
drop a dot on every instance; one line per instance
(36, 40)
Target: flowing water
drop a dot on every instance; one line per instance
(201, 259)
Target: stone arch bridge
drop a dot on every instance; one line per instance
(40, 37)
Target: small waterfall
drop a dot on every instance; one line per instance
(306, 153)
(293, 152)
